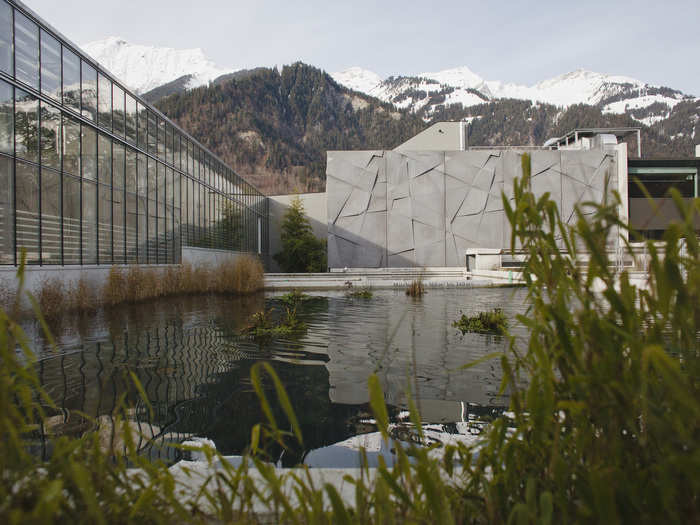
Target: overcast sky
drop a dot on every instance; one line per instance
(522, 42)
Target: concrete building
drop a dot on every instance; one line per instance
(434, 200)
(91, 175)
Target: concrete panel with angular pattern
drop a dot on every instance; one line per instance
(399, 209)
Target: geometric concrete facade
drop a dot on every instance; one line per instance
(425, 208)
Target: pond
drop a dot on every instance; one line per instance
(194, 365)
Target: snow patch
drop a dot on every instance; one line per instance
(143, 68)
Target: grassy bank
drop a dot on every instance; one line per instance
(130, 284)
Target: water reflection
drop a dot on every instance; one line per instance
(195, 367)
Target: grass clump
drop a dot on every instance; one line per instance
(263, 326)
(416, 288)
(491, 322)
(294, 297)
(364, 292)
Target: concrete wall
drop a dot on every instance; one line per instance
(425, 208)
(314, 209)
(441, 136)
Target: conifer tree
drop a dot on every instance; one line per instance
(301, 251)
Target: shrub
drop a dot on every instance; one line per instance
(52, 298)
(493, 322)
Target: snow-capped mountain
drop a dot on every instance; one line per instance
(143, 68)
(612, 93)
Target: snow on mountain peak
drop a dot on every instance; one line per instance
(143, 67)
(358, 79)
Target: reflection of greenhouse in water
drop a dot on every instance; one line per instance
(195, 368)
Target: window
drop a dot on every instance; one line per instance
(71, 80)
(89, 91)
(27, 211)
(118, 107)
(104, 101)
(659, 184)
(26, 50)
(88, 153)
(7, 227)
(89, 222)
(71, 220)
(71, 146)
(50, 66)
(7, 118)
(50, 136)
(104, 223)
(130, 119)
(6, 62)
(50, 217)
(26, 126)
(104, 159)
(142, 124)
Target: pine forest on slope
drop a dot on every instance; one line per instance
(275, 126)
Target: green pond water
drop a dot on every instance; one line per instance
(195, 367)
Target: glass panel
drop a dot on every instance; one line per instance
(26, 50)
(26, 126)
(142, 231)
(104, 159)
(160, 190)
(71, 220)
(142, 178)
(50, 136)
(71, 146)
(176, 150)
(7, 227)
(50, 66)
(89, 92)
(104, 223)
(170, 246)
(130, 170)
(152, 233)
(7, 119)
(130, 119)
(118, 165)
(104, 99)
(50, 217)
(88, 152)
(71, 80)
(161, 139)
(168, 143)
(130, 229)
(89, 222)
(6, 38)
(118, 225)
(27, 217)
(142, 126)
(118, 105)
(152, 133)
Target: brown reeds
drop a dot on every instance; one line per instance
(52, 298)
(416, 288)
(242, 276)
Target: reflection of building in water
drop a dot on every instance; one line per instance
(409, 343)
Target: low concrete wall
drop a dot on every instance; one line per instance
(207, 256)
(314, 209)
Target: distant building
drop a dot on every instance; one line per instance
(90, 174)
(434, 199)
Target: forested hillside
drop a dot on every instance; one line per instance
(275, 126)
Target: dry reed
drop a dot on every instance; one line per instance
(416, 288)
(51, 298)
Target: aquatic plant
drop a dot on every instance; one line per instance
(492, 322)
(294, 297)
(416, 288)
(262, 325)
(362, 293)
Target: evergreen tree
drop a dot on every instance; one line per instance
(301, 251)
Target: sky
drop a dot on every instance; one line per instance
(513, 41)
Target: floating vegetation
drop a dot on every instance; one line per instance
(295, 297)
(416, 288)
(491, 322)
(362, 293)
(263, 326)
